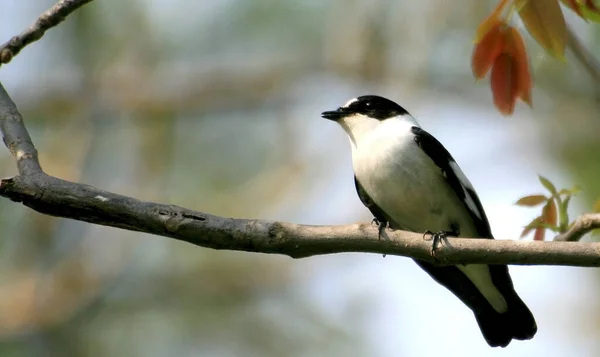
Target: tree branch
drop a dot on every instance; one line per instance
(52, 17)
(583, 55)
(583, 225)
(50, 195)
(56, 197)
(15, 136)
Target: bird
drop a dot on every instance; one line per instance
(409, 181)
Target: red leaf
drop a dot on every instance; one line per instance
(504, 82)
(516, 47)
(539, 234)
(486, 51)
(549, 213)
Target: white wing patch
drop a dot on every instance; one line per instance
(464, 182)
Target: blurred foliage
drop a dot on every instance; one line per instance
(207, 105)
(555, 210)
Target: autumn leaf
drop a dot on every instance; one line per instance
(545, 22)
(549, 213)
(486, 51)
(510, 78)
(547, 184)
(505, 86)
(539, 233)
(516, 47)
(531, 201)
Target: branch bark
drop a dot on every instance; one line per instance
(582, 225)
(53, 196)
(56, 197)
(52, 17)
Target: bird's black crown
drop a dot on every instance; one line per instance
(372, 106)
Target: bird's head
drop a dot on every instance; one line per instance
(363, 114)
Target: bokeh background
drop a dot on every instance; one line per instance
(214, 105)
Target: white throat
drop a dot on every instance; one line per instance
(361, 128)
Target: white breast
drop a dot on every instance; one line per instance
(401, 179)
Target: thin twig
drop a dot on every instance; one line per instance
(52, 17)
(583, 55)
(583, 225)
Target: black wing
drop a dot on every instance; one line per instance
(465, 192)
(498, 329)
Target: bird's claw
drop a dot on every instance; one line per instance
(382, 225)
(437, 237)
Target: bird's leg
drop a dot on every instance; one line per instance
(382, 225)
(439, 236)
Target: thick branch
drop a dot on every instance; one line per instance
(47, 20)
(56, 197)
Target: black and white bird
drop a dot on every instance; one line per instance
(409, 181)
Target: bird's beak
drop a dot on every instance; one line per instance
(334, 115)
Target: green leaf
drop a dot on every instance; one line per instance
(531, 226)
(545, 22)
(597, 206)
(531, 201)
(564, 214)
(535, 223)
(548, 185)
(591, 15)
(526, 231)
(571, 191)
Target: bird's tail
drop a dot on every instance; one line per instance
(517, 322)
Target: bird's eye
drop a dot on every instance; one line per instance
(368, 104)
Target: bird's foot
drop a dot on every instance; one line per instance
(437, 237)
(382, 225)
